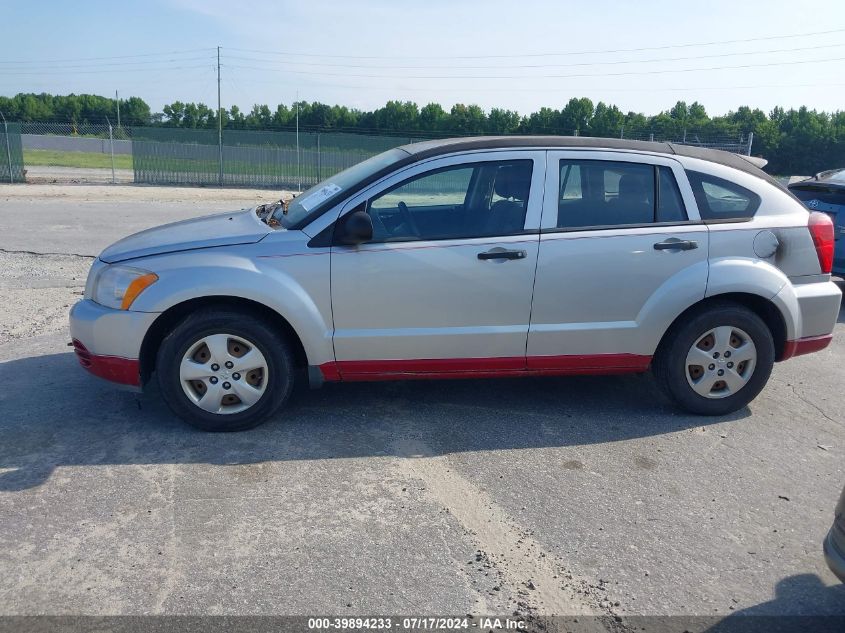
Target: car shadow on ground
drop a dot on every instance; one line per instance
(53, 414)
(798, 601)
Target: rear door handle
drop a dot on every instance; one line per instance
(674, 244)
(502, 255)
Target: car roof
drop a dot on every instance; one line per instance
(427, 149)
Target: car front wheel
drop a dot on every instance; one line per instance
(223, 370)
(717, 361)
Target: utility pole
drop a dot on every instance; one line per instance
(298, 169)
(117, 103)
(111, 145)
(219, 125)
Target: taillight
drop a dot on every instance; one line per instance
(821, 228)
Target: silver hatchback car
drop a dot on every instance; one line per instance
(469, 258)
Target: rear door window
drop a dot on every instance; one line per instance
(670, 204)
(597, 193)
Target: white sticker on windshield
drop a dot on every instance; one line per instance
(321, 195)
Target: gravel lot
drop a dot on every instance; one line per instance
(570, 495)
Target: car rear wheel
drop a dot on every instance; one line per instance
(223, 370)
(717, 361)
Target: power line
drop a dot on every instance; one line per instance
(568, 76)
(111, 64)
(510, 56)
(576, 64)
(569, 89)
(86, 59)
(103, 71)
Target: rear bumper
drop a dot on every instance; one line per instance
(803, 346)
(108, 342)
(819, 304)
(811, 311)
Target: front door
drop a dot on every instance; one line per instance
(622, 253)
(445, 285)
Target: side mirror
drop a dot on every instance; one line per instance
(355, 228)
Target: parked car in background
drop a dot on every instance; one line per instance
(470, 258)
(834, 544)
(825, 192)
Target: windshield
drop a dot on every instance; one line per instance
(317, 197)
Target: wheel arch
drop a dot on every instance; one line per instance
(168, 319)
(764, 308)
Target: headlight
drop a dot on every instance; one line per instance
(118, 286)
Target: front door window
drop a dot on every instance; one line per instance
(479, 200)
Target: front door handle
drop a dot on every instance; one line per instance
(502, 255)
(674, 244)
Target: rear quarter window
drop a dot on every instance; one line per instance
(720, 199)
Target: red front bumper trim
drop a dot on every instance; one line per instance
(807, 345)
(125, 371)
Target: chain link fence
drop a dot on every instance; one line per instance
(11, 153)
(248, 158)
(737, 144)
(256, 158)
(282, 159)
(75, 130)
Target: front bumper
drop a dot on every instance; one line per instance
(834, 552)
(108, 342)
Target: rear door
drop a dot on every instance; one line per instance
(622, 252)
(445, 285)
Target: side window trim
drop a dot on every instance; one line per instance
(616, 227)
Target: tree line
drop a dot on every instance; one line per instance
(795, 141)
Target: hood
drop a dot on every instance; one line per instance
(223, 229)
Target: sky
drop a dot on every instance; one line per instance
(515, 54)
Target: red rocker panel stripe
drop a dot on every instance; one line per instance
(577, 363)
(359, 370)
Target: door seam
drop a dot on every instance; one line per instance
(537, 259)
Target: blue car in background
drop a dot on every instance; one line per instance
(826, 192)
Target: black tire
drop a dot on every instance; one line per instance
(669, 364)
(270, 342)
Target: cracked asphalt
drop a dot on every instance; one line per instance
(574, 496)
